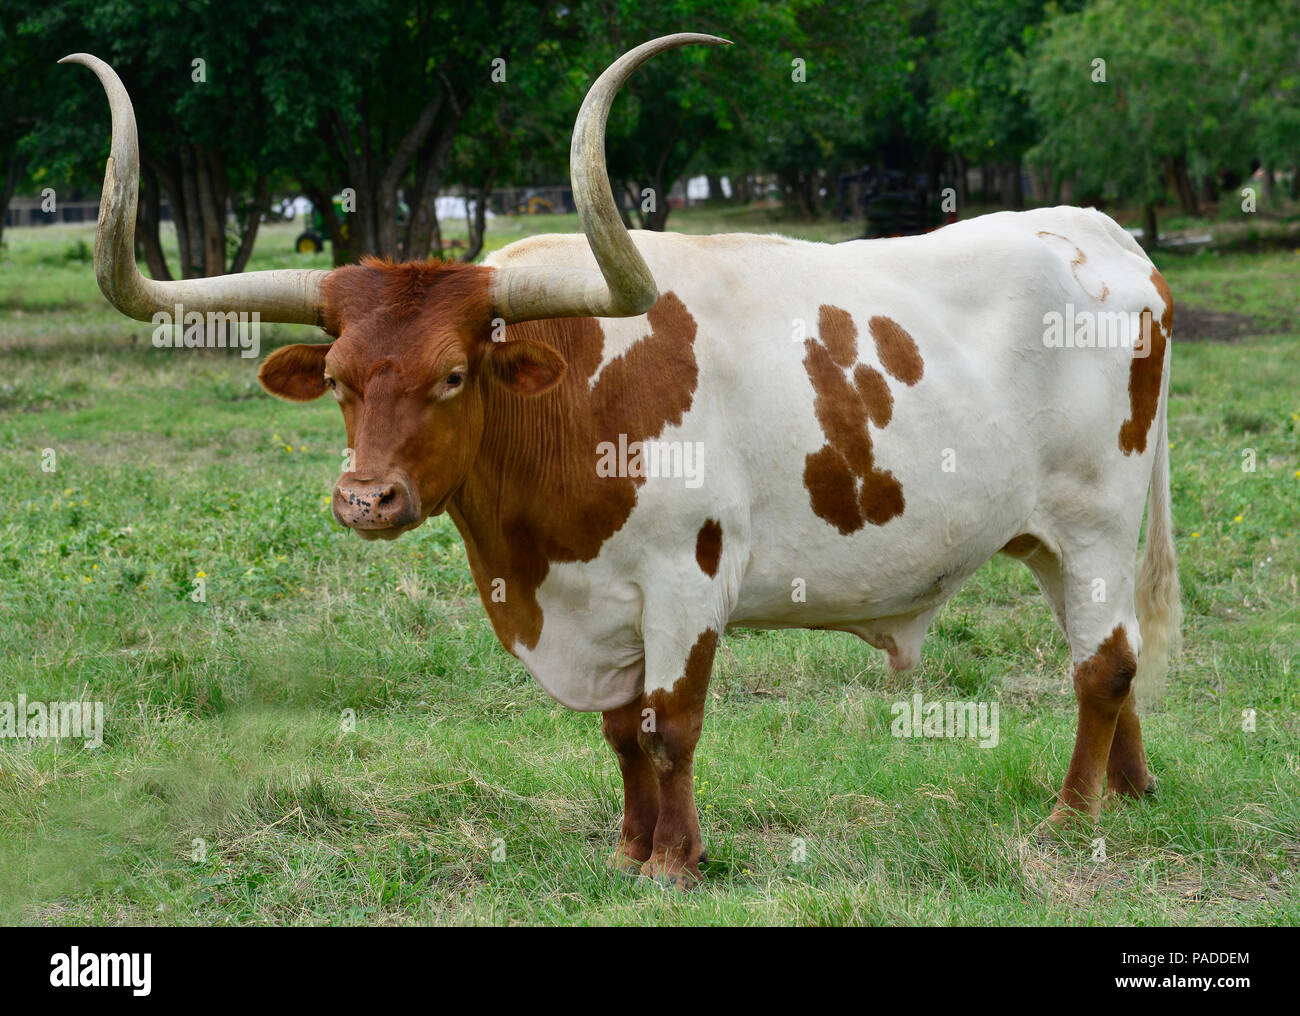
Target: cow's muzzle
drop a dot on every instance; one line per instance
(382, 507)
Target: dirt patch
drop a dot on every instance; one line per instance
(1196, 324)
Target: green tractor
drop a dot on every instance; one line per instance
(312, 239)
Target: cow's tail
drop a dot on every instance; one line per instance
(1159, 611)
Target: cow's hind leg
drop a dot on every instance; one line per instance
(640, 786)
(1126, 763)
(1126, 768)
(1047, 572)
(677, 681)
(1104, 643)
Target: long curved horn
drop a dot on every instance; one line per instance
(624, 286)
(290, 295)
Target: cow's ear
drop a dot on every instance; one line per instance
(525, 367)
(296, 372)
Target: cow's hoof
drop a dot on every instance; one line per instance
(1122, 786)
(1063, 824)
(625, 863)
(678, 877)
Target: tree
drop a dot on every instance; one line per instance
(980, 108)
(835, 110)
(795, 78)
(201, 119)
(33, 96)
(1262, 38)
(405, 76)
(1131, 92)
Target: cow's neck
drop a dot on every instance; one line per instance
(534, 496)
(532, 476)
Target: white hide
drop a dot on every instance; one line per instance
(1032, 432)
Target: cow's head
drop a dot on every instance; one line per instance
(414, 344)
(413, 356)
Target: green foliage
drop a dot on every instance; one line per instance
(319, 98)
(979, 102)
(1177, 79)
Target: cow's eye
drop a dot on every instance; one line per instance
(329, 381)
(451, 385)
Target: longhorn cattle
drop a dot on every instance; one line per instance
(645, 439)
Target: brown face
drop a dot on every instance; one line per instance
(409, 367)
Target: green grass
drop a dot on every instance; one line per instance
(224, 718)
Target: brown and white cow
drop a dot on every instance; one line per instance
(845, 433)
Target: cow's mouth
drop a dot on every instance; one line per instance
(369, 521)
(377, 507)
(386, 533)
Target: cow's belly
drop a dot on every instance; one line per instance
(811, 576)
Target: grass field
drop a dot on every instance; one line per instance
(229, 791)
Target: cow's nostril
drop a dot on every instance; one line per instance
(376, 504)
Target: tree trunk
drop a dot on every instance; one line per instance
(334, 226)
(1150, 228)
(15, 167)
(423, 232)
(1210, 189)
(194, 256)
(211, 214)
(386, 198)
(1012, 186)
(657, 218)
(1040, 179)
(478, 227)
(794, 183)
(1266, 184)
(360, 221)
(148, 226)
(625, 188)
(1183, 186)
(257, 208)
(169, 182)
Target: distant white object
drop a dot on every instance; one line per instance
(450, 206)
(1173, 241)
(697, 188)
(1187, 241)
(291, 208)
(454, 206)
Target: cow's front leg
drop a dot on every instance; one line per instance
(640, 785)
(668, 735)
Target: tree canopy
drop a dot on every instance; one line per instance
(386, 103)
